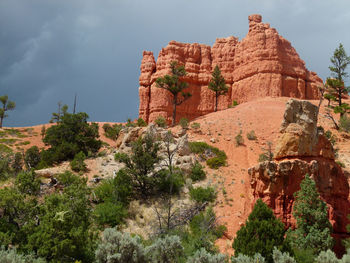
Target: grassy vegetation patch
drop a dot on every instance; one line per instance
(8, 141)
(11, 132)
(5, 149)
(214, 157)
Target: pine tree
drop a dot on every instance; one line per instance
(175, 86)
(261, 233)
(217, 84)
(6, 106)
(340, 60)
(313, 229)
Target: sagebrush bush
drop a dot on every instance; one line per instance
(11, 256)
(165, 250)
(203, 256)
(239, 139)
(202, 195)
(197, 173)
(141, 122)
(120, 247)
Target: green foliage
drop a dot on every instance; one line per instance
(202, 195)
(329, 135)
(17, 162)
(117, 247)
(130, 123)
(109, 213)
(256, 258)
(203, 256)
(313, 229)
(73, 134)
(78, 164)
(251, 135)
(260, 234)
(175, 86)
(183, 123)
(27, 183)
(239, 139)
(57, 116)
(344, 123)
(218, 85)
(5, 166)
(43, 131)
(267, 155)
(116, 190)
(197, 173)
(165, 250)
(340, 60)
(170, 182)
(161, 122)
(32, 157)
(11, 256)
(63, 233)
(280, 257)
(141, 122)
(6, 106)
(214, 157)
(140, 165)
(112, 132)
(263, 157)
(304, 255)
(5, 149)
(327, 257)
(195, 125)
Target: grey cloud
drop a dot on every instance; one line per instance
(50, 50)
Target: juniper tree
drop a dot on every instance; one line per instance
(218, 85)
(313, 229)
(175, 86)
(6, 106)
(260, 234)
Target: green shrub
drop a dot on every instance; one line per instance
(141, 122)
(197, 173)
(112, 132)
(184, 123)
(78, 164)
(165, 250)
(251, 135)
(27, 183)
(5, 149)
(344, 123)
(168, 182)
(202, 195)
(161, 122)
(12, 256)
(213, 156)
(73, 134)
(263, 157)
(239, 139)
(130, 123)
(110, 213)
(195, 125)
(17, 162)
(32, 157)
(329, 135)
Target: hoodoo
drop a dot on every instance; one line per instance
(260, 65)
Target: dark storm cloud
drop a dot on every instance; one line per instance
(50, 50)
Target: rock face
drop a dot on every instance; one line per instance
(301, 149)
(262, 64)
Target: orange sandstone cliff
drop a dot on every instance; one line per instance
(262, 64)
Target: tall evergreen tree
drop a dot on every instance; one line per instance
(218, 85)
(260, 234)
(175, 86)
(313, 229)
(6, 106)
(340, 60)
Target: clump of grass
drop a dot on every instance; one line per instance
(161, 122)
(183, 123)
(239, 139)
(195, 126)
(251, 135)
(344, 123)
(8, 141)
(5, 149)
(214, 157)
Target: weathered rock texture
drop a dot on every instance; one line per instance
(301, 149)
(262, 64)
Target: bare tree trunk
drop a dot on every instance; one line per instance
(174, 110)
(216, 101)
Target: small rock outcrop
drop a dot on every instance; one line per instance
(261, 64)
(302, 149)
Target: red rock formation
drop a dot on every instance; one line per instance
(262, 64)
(302, 149)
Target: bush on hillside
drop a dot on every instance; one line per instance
(112, 132)
(78, 164)
(202, 195)
(161, 122)
(32, 157)
(214, 157)
(197, 173)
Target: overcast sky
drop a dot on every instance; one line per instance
(50, 50)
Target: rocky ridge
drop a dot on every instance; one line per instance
(260, 65)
